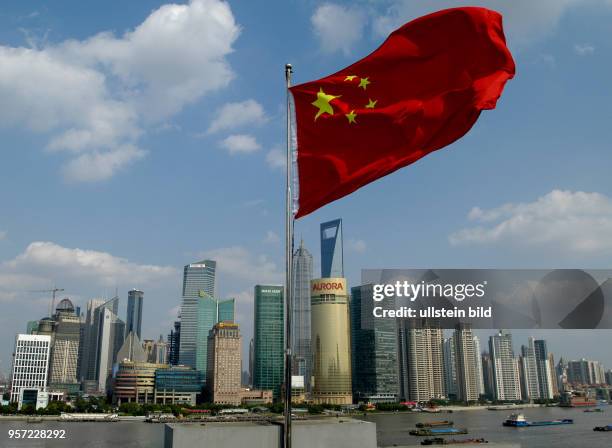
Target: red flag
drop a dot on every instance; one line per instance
(421, 90)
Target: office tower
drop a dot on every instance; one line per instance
(177, 385)
(87, 360)
(373, 350)
(134, 312)
(332, 257)
(174, 343)
(198, 283)
(300, 324)
(545, 374)
(210, 312)
(65, 346)
(467, 377)
(109, 337)
(251, 361)
(487, 376)
(450, 368)
(224, 364)
(30, 363)
(421, 345)
(530, 389)
(331, 344)
(478, 361)
(585, 372)
(268, 336)
(505, 368)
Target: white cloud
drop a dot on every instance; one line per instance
(235, 115)
(565, 221)
(584, 49)
(96, 166)
(240, 265)
(98, 95)
(240, 143)
(276, 159)
(524, 20)
(338, 28)
(358, 246)
(271, 237)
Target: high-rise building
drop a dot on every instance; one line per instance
(545, 375)
(156, 352)
(30, 363)
(134, 312)
(374, 350)
(251, 361)
(331, 344)
(487, 376)
(87, 361)
(174, 343)
(585, 372)
(300, 323)
(224, 364)
(210, 312)
(65, 346)
(467, 377)
(529, 372)
(478, 361)
(505, 368)
(268, 338)
(332, 257)
(553, 375)
(421, 346)
(450, 368)
(198, 283)
(608, 375)
(177, 385)
(109, 336)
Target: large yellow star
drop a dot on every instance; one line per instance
(371, 104)
(364, 83)
(350, 77)
(322, 102)
(351, 116)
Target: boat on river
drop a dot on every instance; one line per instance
(519, 421)
(603, 428)
(434, 423)
(442, 441)
(438, 431)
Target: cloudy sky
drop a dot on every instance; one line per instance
(137, 137)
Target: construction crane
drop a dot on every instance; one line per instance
(54, 291)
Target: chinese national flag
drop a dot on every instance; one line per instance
(421, 90)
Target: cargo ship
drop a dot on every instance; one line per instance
(438, 431)
(519, 421)
(434, 423)
(603, 428)
(441, 441)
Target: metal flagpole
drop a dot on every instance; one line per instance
(288, 270)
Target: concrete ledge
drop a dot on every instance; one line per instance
(323, 433)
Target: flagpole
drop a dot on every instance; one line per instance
(288, 269)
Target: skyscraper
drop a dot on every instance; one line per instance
(198, 282)
(467, 377)
(224, 364)
(478, 361)
(65, 346)
(529, 372)
(300, 328)
(87, 362)
(268, 338)
(109, 332)
(30, 363)
(134, 312)
(450, 368)
(505, 368)
(210, 312)
(421, 355)
(174, 343)
(373, 350)
(332, 257)
(331, 342)
(545, 375)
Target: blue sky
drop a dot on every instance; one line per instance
(137, 137)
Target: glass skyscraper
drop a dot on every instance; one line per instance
(300, 329)
(332, 263)
(134, 312)
(374, 350)
(198, 282)
(268, 341)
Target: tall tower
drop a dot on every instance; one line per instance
(268, 340)
(87, 363)
(134, 313)
(300, 329)
(209, 312)
(467, 376)
(224, 364)
(66, 346)
(198, 282)
(332, 258)
(109, 331)
(478, 361)
(505, 368)
(545, 374)
(30, 363)
(331, 342)
(450, 368)
(529, 372)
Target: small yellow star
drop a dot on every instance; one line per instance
(322, 102)
(350, 77)
(371, 104)
(351, 116)
(364, 83)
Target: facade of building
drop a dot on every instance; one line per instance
(467, 376)
(30, 364)
(177, 385)
(487, 376)
(87, 361)
(505, 368)
(65, 346)
(109, 332)
(373, 351)
(134, 382)
(331, 342)
(174, 344)
(224, 364)
(300, 324)
(210, 312)
(421, 346)
(529, 372)
(134, 312)
(478, 361)
(332, 256)
(545, 374)
(450, 368)
(268, 339)
(198, 282)
(585, 372)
